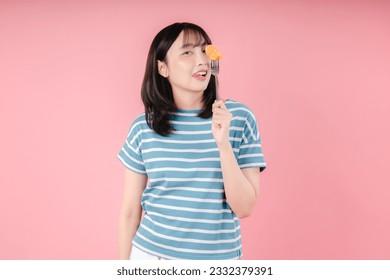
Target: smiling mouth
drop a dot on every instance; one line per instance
(202, 73)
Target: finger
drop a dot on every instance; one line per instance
(223, 121)
(221, 111)
(220, 123)
(216, 105)
(223, 106)
(217, 124)
(220, 119)
(219, 103)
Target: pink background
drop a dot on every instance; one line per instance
(316, 74)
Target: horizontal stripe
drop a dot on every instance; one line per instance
(202, 241)
(184, 142)
(180, 150)
(214, 194)
(251, 155)
(186, 180)
(185, 114)
(211, 211)
(180, 176)
(188, 209)
(238, 118)
(193, 132)
(187, 250)
(194, 229)
(256, 164)
(192, 220)
(184, 150)
(164, 159)
(187, 189)
(191, 123)
(186, 198)
(183, 169)
(250, 146)
(236, 128)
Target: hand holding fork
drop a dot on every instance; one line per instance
(213, 53)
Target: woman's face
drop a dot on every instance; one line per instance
(187, 66)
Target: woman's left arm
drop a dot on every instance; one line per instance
(241, 185)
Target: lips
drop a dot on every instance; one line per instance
(200, 75)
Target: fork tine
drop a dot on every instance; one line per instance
(215, 71)
(214, 67)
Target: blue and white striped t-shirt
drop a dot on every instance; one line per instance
(186, 213)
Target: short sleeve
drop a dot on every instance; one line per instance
(251, 152)
(130, 154)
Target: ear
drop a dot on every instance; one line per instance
(162, 68)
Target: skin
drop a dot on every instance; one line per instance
(241, 185)
(181, 63)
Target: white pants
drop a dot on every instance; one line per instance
(137, 254)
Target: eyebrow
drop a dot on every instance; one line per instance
(185, 46)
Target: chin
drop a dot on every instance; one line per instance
(199, 90)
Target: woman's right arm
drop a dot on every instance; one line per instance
(131, 211)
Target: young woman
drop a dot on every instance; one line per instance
(202, 157)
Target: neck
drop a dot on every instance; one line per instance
(188, 100)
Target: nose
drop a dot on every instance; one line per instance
(202, 58)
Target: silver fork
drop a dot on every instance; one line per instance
(214, 65)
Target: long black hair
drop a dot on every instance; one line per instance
(156, 91)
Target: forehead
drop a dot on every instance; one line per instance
(188, 38)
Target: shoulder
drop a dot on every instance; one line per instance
(139, 121)
(239, 109)
(138, 124)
